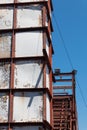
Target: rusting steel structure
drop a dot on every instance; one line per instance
(64, 102)
(25, 65)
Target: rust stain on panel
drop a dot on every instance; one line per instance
(31, 74)
(4, 75)
(31, 111)
(6, 17)
(5, 45)
(3, 107)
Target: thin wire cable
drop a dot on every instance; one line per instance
(85, 103)
(66, 50)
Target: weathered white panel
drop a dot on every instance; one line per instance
(5, 45)
(29, 16)
(4, 75)
(47, 108)
(6, 1)
(47, 78)
(29, 44)
(6, 18)
(28, 106)
(30, 0)
(28, 74)
(4, 103)
(47, 46)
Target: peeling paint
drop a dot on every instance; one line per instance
(5, 45)
(6, 1)
(31, 110)
(31, 74)
(4, 75)
(6, 17)
(3, 107)
(25, 17)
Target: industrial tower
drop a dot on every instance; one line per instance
(25, 65)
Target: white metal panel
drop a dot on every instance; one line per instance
(47, 46)
(47, 108)
(28, 128)
(4, 75)
(28, 74)
(28, 106)
(5, 45)
(6, 1)
(29, 44)
(47, 78)
(4, 103)
(6, 18)
(29, 16)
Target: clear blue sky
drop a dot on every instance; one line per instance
(71, 16)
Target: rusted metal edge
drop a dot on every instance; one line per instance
(5, 90)
(47, 59)
(48, 63)
(26, 123)
(13, 90)
(62, 87)
(25, 29)
(65, 74)
(4, 123)
(48, 12)
(44, 124)
(22, 58)
(23, 3)
(63, 80)
(47, 125)
(59, 97)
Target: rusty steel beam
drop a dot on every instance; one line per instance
(64, 103)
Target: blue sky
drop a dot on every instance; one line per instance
(71, 16)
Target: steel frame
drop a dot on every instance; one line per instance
(64, 101)
(47, 60)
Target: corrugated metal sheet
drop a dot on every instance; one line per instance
(25, 17)
(47, 108)
(28, 74)
(6, 1)
(29, 44)
(4, 75)
(4, 103)
(28, 128)
(28, 106)
(6, 17)
(5, 45)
